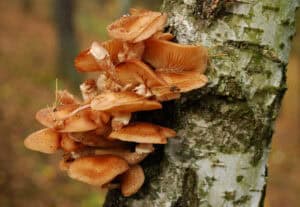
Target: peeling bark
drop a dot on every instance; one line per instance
(225, 130)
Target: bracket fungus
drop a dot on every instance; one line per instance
(137, 69)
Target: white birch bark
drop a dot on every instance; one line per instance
(224, 131)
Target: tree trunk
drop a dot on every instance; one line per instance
(67, 44)
(224, 131)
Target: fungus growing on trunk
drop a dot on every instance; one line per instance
(137, 70)
(59, 118)
(140, 132)
(132, 180)
(123, 102)
(174, 57)
(97, 170)
(44, 140)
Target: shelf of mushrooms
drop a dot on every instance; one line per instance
(137, 69)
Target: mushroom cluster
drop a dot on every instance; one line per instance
(136, 70)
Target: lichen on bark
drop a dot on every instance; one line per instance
(224, 130)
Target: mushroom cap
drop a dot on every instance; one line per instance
(132, 180)
(97, 170)
(175, 57)
(85, 61)
(92, 139)
(56, 118)
(135, 72)
(68, 144)
(141, 132)
(186, 81)
(45, 140)
(123, 102)
(138, 26)
(165, 93)
(153, 27)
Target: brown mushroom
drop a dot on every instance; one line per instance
(135, 72)
(97, 170)
(132, 180)
(85, 61)
(64, 97)
(64, 119)
(92, 139)
(141, 132)
(144, 148)
(163, 36)
(45, 140)
(119, 120)
(174, 57)
(137, 27)
(123, 102)
(68, 144)
(166, 93)
(185, 81)
(131, 158)
(153, 27)
(131, 51)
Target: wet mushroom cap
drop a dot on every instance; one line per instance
(45, 140)
(173, 56)
(56, 118)
(85, 61)
(132, 180)
(153, 27)
(141, 132)
(123, 102)
(135, 72)
(97, 170)
(185, 81)
(137, 27)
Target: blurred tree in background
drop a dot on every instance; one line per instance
(67, 44)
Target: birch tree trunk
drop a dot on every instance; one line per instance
(224, 131)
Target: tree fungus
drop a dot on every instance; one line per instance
(137, 69)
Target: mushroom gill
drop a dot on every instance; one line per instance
(123, 102)
(136, 72)
(184, 82)
(174, 57)
(141, 132)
